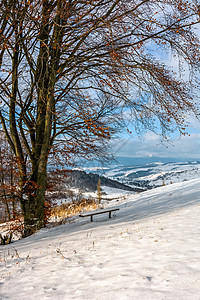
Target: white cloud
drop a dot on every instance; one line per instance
(184, 147)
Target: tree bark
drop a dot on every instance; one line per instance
(33, 203)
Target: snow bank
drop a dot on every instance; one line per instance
(149, 250)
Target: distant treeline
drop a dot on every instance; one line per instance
(88, 181)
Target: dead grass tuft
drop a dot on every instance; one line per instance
(67, 210)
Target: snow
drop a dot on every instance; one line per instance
(113, 193)
(155, 173)
(149, 250)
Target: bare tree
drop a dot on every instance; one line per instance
(9, 204)
(70, 70)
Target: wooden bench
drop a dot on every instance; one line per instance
(98, 212)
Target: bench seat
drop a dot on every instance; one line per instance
(98, 212)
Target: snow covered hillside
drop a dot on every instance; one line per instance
(151, 175)
(149, 250)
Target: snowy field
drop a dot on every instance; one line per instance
(149, 250)
(153, 174)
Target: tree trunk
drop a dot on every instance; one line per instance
(33, 205)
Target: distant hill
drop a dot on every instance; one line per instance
(88, 181)
(151, 175)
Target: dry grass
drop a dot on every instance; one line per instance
(67, 210)
(56, 215)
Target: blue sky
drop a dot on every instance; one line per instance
(187, 147)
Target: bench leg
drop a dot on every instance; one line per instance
(91, 218)
(109, 214)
